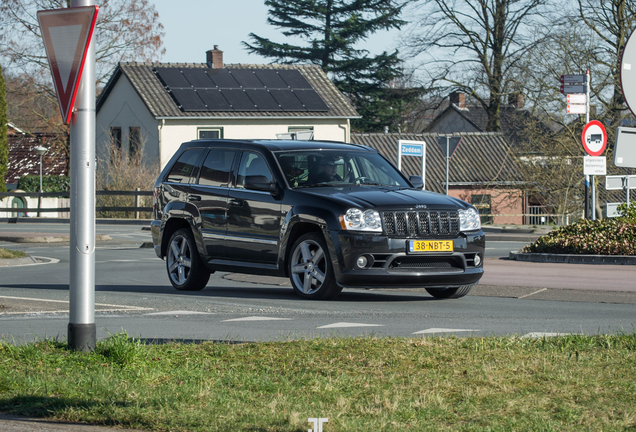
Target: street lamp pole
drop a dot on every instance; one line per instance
(40, 150)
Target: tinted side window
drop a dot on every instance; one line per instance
(184, 167)
(216, 168)
(252, 164)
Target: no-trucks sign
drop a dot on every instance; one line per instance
(594, 138)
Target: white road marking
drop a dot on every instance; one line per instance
(444, 330)
(348, 325)
(117, 307)
(180, 313)
(127, 260)
(257, 318)
(531, 294)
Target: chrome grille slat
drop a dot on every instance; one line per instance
(421, 223)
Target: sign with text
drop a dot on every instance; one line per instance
(566, 88)
(576, 109)
(594, 138)
(565, 79)
(67, 34)
(413, 148)
(576, 98)
(594, 165)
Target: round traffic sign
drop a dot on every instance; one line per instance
(628, 73)
(594, 138)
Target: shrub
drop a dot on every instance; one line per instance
(31, 183)
(600, 237)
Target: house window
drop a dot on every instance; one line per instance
(115, 138)
(134, 139)
(210, 133)
(309, 135)
(482, 204)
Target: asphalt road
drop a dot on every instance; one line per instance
(134, 295)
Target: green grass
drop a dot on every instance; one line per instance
(576, 383)
(8, 254)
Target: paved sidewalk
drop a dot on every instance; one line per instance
(9, 423)
(37, 237)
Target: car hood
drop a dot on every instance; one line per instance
(383, 197)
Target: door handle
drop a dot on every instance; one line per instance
(236, 203)
(194, 198)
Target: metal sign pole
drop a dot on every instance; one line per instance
(81, 326)
(447, 160)
(587, 120)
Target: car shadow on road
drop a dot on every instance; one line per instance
(239, 292)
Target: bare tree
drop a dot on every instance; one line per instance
(125, 30)
(474, 46)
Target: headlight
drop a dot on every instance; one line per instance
(357, 220)
(469, 220)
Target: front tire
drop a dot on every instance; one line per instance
(186, 270)
(450, 293)
(310, 270)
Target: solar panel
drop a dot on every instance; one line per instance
(214, 100)
(311, 100)
(287, 100)
(263, 100)
(172, 77)
(197, 77)
(246, 78)
(270, 78)
(294, 79)
(188, 99)
(222, 78)
(238, 100)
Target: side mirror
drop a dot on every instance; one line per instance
(260, 183)
(417, 182)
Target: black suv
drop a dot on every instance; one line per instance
(327, 215)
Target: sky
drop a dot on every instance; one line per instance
(194, 26)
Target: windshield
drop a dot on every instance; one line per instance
(314, 168)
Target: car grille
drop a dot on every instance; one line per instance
(426, 264)
(421, 224)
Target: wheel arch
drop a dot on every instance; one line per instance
(172, 225)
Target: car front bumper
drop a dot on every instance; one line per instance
(390, 265)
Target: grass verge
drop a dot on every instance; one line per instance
(8, 254)
(387, 384)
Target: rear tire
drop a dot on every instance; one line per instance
(310, 270)
(186, 270)
(450, 293)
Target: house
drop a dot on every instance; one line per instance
(161, 105)
(460, 116)
(23, 161)
(481, 171)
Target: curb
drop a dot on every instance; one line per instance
(574, 259)
(47, 239)
(100, 221)
(10, 262)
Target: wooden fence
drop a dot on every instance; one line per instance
(134, 208)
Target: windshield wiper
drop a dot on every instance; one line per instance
(313, 185)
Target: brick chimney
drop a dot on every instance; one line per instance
(214, 58)
(458, 99)
(516, 100)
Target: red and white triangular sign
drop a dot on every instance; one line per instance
(67, 34)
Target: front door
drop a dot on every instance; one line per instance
(254, 217)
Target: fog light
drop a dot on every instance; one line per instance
(477, 260)
(362, 261)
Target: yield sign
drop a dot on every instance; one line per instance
(67, 34)
(453, 143)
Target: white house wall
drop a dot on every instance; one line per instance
(175, 132)
(124, 108)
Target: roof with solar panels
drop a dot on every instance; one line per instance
(190, 90)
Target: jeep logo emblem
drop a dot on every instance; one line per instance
(420, 206)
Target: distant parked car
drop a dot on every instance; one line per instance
(327, 215)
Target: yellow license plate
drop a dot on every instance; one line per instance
(430, 246)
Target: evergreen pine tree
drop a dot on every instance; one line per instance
(4, 144)
(331, 28)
